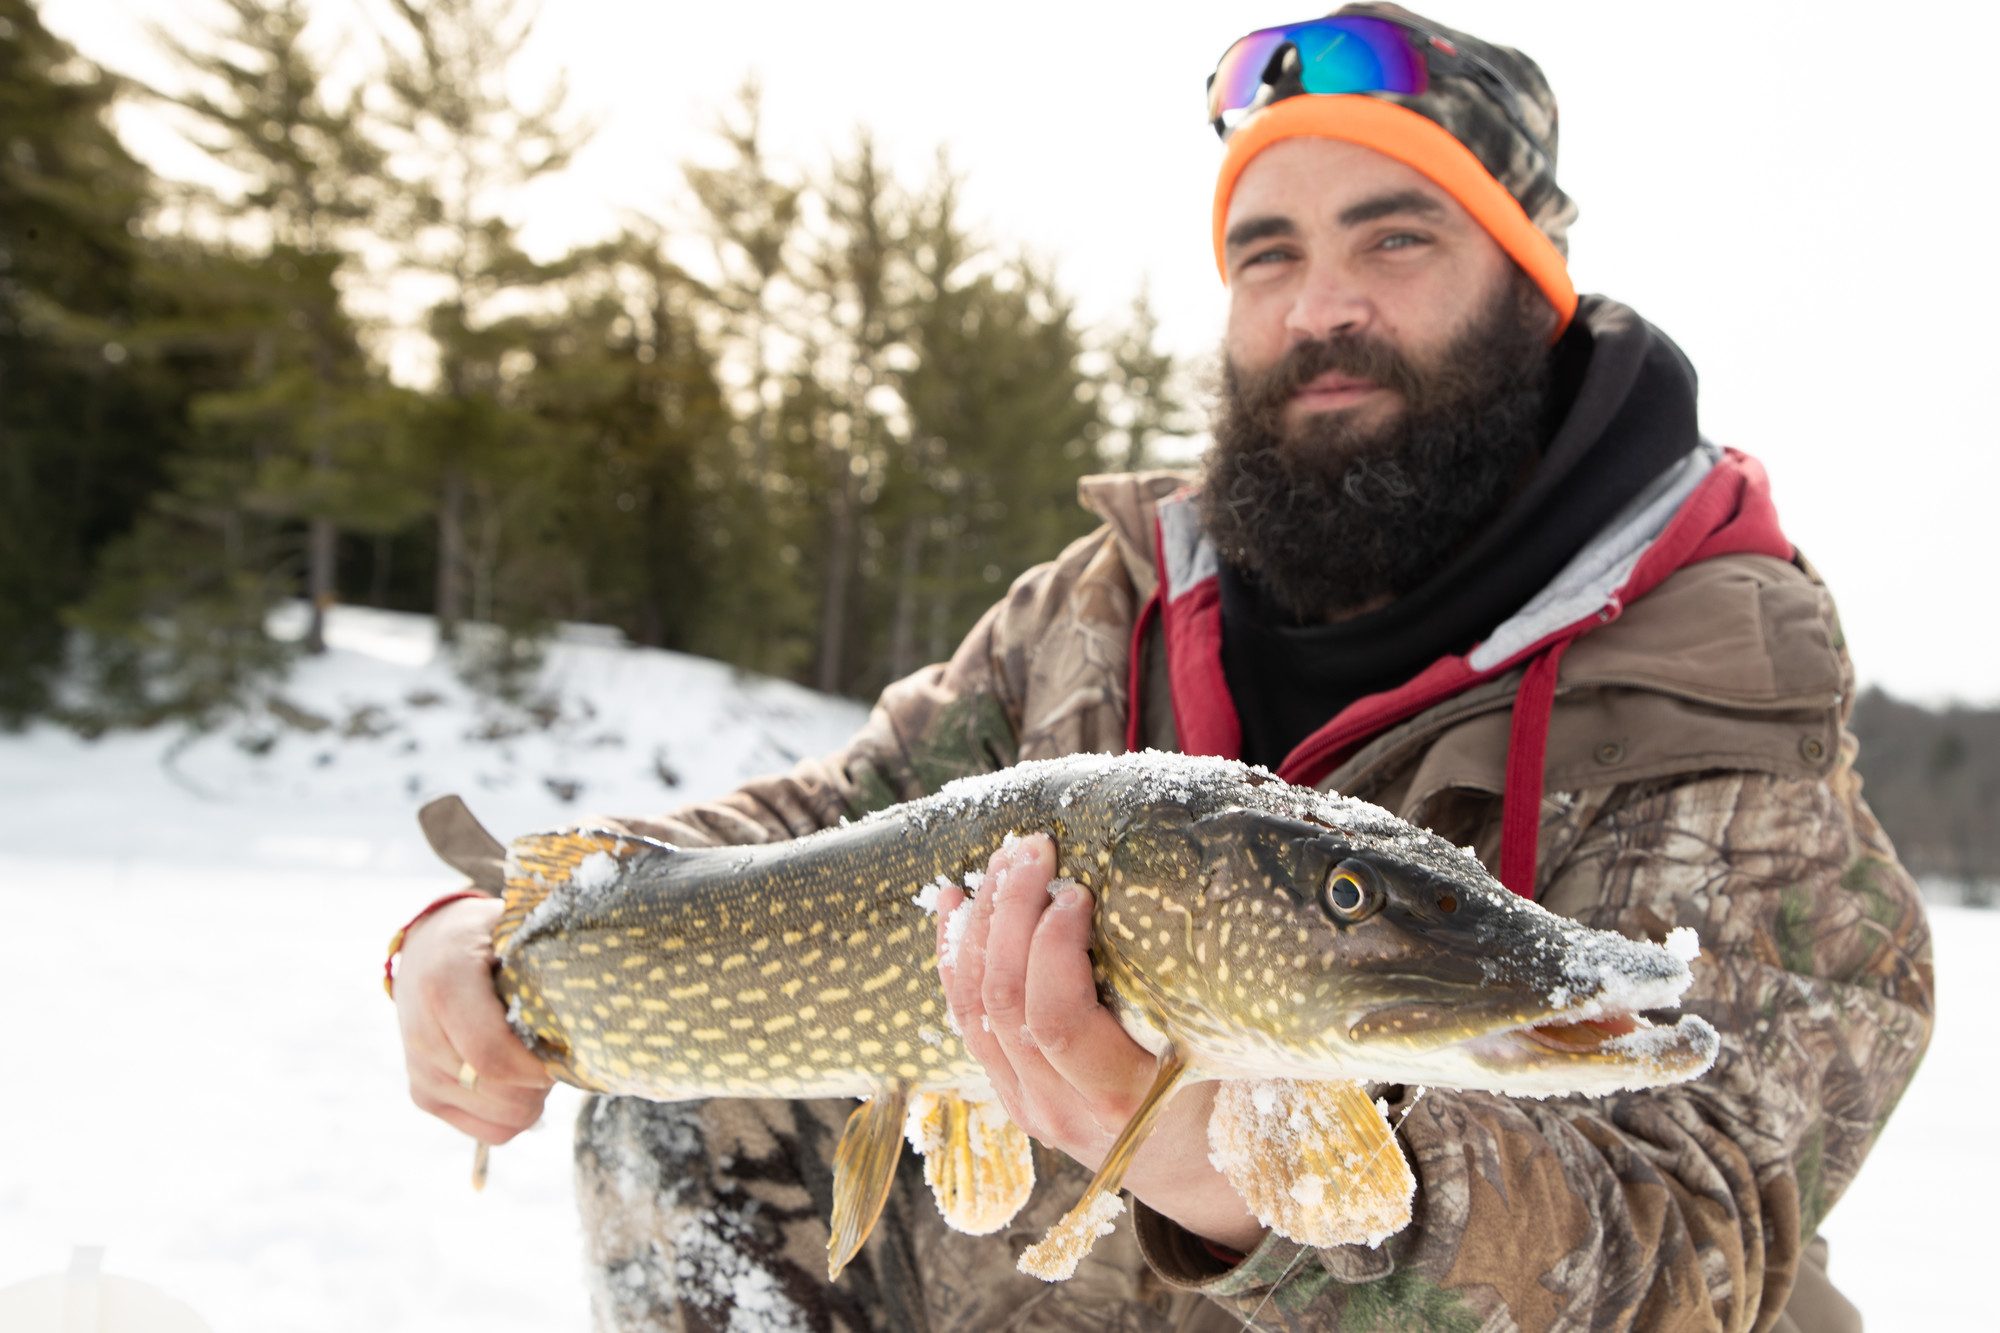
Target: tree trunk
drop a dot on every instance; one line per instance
(903, 637)
(451, 555)
(941, 604)
(321, 548)
(839, 555)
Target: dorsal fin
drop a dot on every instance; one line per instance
(541, 863)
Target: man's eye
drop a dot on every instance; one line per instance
(1402, 241)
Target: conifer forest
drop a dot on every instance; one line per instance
(822, 456)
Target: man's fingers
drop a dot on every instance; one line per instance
(1018, 884)
(475, 1026)
(1078, 1036)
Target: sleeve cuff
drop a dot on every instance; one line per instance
(1182, 1259)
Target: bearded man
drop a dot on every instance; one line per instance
(1458, 549)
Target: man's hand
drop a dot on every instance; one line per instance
(451, 1018)
(1022, 994)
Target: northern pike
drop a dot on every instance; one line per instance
(1292, 942)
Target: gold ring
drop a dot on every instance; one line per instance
(468, 1077)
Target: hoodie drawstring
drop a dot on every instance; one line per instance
(1527, 750)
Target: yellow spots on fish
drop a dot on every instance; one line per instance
(676, 1025)
(790, 937)
(1166, 964)
(720, 1002)
(1223, 939)
(763, 943)
(897, 936)
(610, 978)
(750, 997)
(869, 1048)
(699, 988)
(808, 1012)
(816, 928)
(791, 988)
(680, 969)
(735, 960)
(1269, 976)
(772, 968)
(779, 1023)
(838, 964)
(1319, 991)
(735, 1058)
(1201, 952)
(705, 959)
(556, 964)
(655, 1039)
(881, 979)
(835, 994)
(621, 1002)
(864, 1015)
(927, 1008)
(670, 943)
(657, 974)
(618, 1038)
(856, 938)
(1222, 971)
(742, 1024)
(708, 1034)
(811, 956)
(586, 948)
(602, 1011)
(1240, 992)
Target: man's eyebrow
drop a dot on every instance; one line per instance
(1388, 205)
(1257, 229)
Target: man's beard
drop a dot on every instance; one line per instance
(1330, 518)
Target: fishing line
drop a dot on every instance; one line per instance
(1304, 1250)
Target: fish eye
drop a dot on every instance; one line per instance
(1352, 893)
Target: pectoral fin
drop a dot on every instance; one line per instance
(1315, 1161)
(1055, 1256)
(864, 1166)
(976, 1160)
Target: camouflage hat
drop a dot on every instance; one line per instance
(1484, 130)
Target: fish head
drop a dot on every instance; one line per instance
(1321, 947)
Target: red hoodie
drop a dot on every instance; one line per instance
(1715, 502)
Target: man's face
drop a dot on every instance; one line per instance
(1385, 390)
(1327, 239)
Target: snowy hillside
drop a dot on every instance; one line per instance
(204, 1074)
(326, 773)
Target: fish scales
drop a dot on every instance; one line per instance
(798, 969)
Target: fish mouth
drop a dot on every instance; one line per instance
(1590, 1049)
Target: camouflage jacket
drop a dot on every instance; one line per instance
(1698, 774)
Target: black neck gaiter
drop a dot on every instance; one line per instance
(1625, 397)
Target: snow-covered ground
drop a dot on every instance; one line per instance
(203, 1072)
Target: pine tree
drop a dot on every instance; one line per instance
(462, 147)
(310, 186)
(86, 421)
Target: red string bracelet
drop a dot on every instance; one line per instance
(396, 943)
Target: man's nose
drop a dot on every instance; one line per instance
(1328, 303)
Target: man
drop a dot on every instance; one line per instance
(1458, 549)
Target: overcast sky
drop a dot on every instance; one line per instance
(1801, 195)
